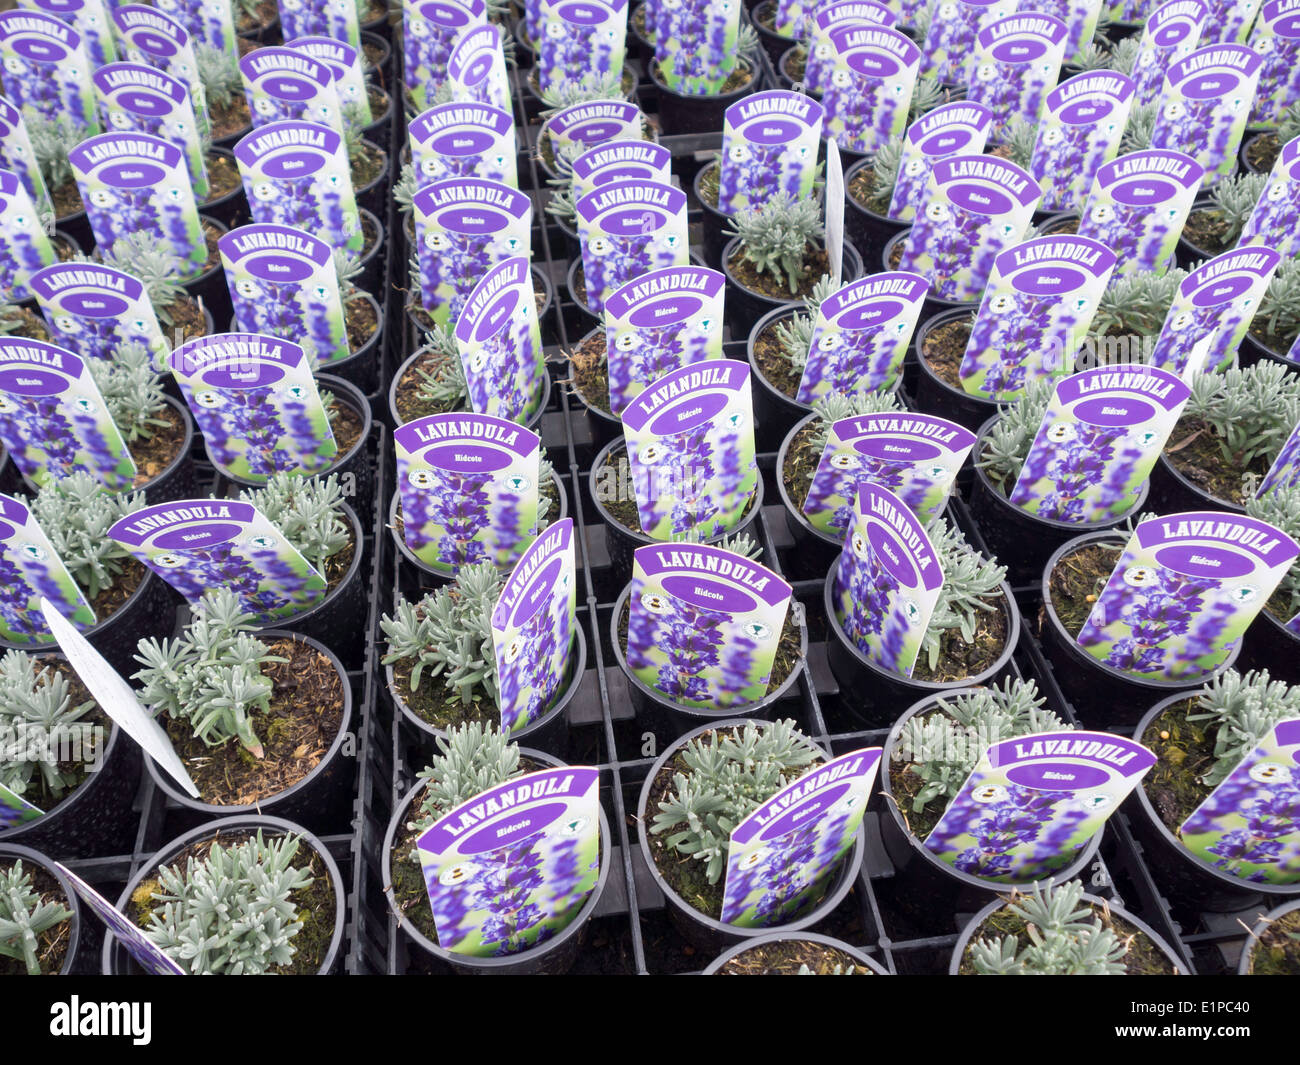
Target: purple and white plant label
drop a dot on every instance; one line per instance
(463, 228)
(1172, 32)
(336, 19)
(132, 937)
(696, 45)
(1031, 804)
(1034, 315)
(829, 16)
(1212, 311)
(704, 624)
(1017, 62)
(660, 322)
(627, 229)
(24, 245)
(1128, 12)
(514, 865)
(500, 343)
(1249, 826)
(620, 161)
(134, 97)
(1285, 471)
(916, 456)
(770, 142)
(1205, 105)
(1185, 590)
(582, 126)
(476, 69)
(957, 128)
(94, 309)
(464, 140)
(779, 854)
(53, 420)
(284, 85)
(860, 336)
(533, 626)
(297, 174)
(1081, 128)
(15, 810)
(1138, 205)
(138, 183)
(1100, 437)
(256, 402)
(30, 569)
(469, 488)
(1275, 220)
(197, 544)
(871, 82)
(146, 35)
(1080, 18)
(690, 443)
(16, 154)
(975, 207)
(1276, 38)
(210, 22)
(581, 38)
(283, 283)
(949, 50)
(1229, 21)
(89, 18)
(44, 69)
(344, 62)
(430, 29)
(887, 580)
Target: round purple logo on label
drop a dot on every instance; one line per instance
(154, 43)
(1021, 50)
(632, 221)
(289, 87)
(192, 536)
(870, 315)
(497, 314)
(947, 142)
(143, 102)
(708, 594)
(251, 375)
(131, 175)
(1208, 561)
(1143, 192)
(514, 826)
(688, 413)
(1173, 33)
(873, 64)
(95, 304)
(272, 266)
(1210, 86)
(979, 198)
(467, 458)
(806, 811)
(772, 131)
(472, 220)
(897, 447)
(1223, 290)
(463, 142)
(293, 164)
(1057, 776)
(32, 381)
(1114, 411)
(667, 311)
(40, 50)
(583, 14)
(1047, 280)
(893, 559)
(1084, 112)
(536, 595)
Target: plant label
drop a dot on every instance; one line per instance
(1129, 12)
(915, 456)
(975, 206)
(769, 146)
(464, 227)
(1229, 21)
(197, 544)
(871, 82)
(1276, 37)
(1081, 128)
(296, 174)
(212, 22)
(146, 35)
(500, 342)
(582, 126)
(1205, 104)
(958, 128)
(658, 323)
(581, 38)
(1185, 590)
(1017, 61)
(533, 626)
(1080, 18)
(704, 624)
(465, 140)
(834, 209)
(430, 29)
(1247, 826)
(1275, 219)
(860, 336)
(1035, 314)
(32, 570)
(93, 310)
(344, 62)
(1101, 435)
(16, 153)
(779, 855)
(1285, 471)
(690, 443)
(514, 865)
(1212, 311)
(1171, 33)
(620, 161)
(476, 69)
(950, 44)
(1138, 206)
(24, 245)
(469, 485)
(1031, 804)
(89, 18)
(44, 70)
(15, 810)
(137, 183)
(628, 229)
(821, 56)
(53, 421)
(135, 98)
(320, 18)
(131, 935)
(255, 401)
(695, 45)
(284, 85)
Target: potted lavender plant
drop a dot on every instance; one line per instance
(223, 89)
(50, 140)
(704, 62)
(1276, 326)
(1216, 220)
(1260, 150)
(40, 916)
(1272, 641)
(794, 954)
(1273, 948)
(181, 315)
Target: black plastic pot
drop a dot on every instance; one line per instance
(231, 207)
(869, 232)
(706, 933)
(547, 313)
(533, 423)
(1269, 644)
(379, 27)
(1189, 254)
(382, 68)
(933, 893)
(32, 860)
(798, 937)
(604, 425)
(115, 960)
(679, 114)
(373, 259)
(670, 719)
(972, 926)
(1022, 541)
(934, 395)
(10, 479)
(1244, 158)
(1184, 879)
(1173, 493)
(263, 33)
(586, 318)
(774, 44)
(378, 131)
(622, 542)
(1254, 350)
(713, 223)
(76, 227)
(177, 480)
(876, 696)
(639, 46)
(786, 80)
(745, 306)
(775, 413)
(231, 139)
(1102, 695)
(373, 195)
(553, 957)
(209, 287)
(1245, 965)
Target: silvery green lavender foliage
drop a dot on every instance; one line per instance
(729, 775)
(1008, 441)
(794, 334)
(231, 913)
(1250, 412)
(1242, 709)
(51, 140)
(132, 391)
(1134, 307)
(1233, 200)
(307, 510)
(1066, 939)
(145, 258)
(1141, 125)
(835, 408)
(76, 512)
(447, 388)
(968, 578)
(1280, 507)
(24, 918)
(404, 190)
(211, 676)
(773, 237)
(37, 720)
(1279, 308)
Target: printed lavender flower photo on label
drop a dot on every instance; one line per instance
(957, 128)
(1171, 33)
(580, 38)
(1016, 63)
(628, 229)
(829, 15)
(430, 29)
(149, 36)
(463, 140)
(45, 70)
(770, 142)
(1083, 121)
(30, 570)
(870, 84)
(696, 44)
(94, 310)
(25, 247)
